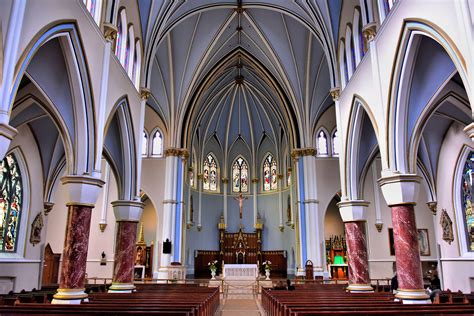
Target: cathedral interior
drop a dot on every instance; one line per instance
(145, 140)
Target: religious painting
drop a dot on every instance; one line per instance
(423, 242)
(240, 175)
(139, 272)
(447, 227)
(269, 174)
(36, 227)
(467, 199)
(11, 201)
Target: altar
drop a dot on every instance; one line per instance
(240, 272)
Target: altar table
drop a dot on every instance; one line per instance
(240, 271)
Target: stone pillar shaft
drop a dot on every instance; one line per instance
(357, 253)
(406, 248)
(125, 252)
(74, 259)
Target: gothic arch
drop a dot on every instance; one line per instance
(361, 121)
(401, 81)
(83, 134)
(120, 148)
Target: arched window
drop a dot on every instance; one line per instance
(137, 64)
(209, 177)
(467, 199)
(350, 61)
(144, 144)
(11, 201)
(240, 176)
(343, 64)
(270, 177)
(322, 143)
(357, 38)
(121, 36)
(191, 171)
(335, 143)
(157, 144)
(128, 61)
(94, 7)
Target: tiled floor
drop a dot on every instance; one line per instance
(237, 307)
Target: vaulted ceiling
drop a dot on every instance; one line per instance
(280, 50)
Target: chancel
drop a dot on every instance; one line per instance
(193, 157)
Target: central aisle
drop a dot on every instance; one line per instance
(237, 307)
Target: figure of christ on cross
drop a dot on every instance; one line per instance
(241, 202)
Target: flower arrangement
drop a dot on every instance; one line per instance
(212, 265)
(267, 264)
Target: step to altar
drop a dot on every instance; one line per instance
(240, 289)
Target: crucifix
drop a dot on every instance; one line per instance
(241, 202)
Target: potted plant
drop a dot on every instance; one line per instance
(267, 265)
(213, 267)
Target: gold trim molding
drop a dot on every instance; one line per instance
(335, 93)
(145, 93)
(369, 31)
(177, 152)
(301, 152)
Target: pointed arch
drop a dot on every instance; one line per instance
(120, 148)
(156, 142)
(414, 31)
(361, 124)
(210, 171)
(240, 175)
(269, 173)
(323, 142)
(82, 133)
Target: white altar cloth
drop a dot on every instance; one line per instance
(240, 271)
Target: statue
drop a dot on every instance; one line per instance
(36, 227)
(241, 203)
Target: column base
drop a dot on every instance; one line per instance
(417, 296)
(360, 288)
(122, 288)
(70, 296)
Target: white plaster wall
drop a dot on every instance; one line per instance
(25, 268)
(457, 268)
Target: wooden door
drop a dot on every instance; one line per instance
(50, 266)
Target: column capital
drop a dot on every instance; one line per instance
(355, 210)
(47, 207)
(176, 152)
(369, 31)
(110, 32)
(127, 211)
(255, 180)
(301, 152)
(145, 93)
(82, 189)
(469, 130)
(399, 189)
(335, 92)
(225, 180)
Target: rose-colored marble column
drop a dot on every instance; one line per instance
(125, 253)
(359, 280)
(73, 267)
(410, 279)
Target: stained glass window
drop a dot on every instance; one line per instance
(467, 199)
(127, 53)
(288, 177)
(270, 177)
(209, 177)
(157, 144)
(240, 175)
(11, 200)
(191, 172)
(335, 143)
(118, 46)
(144, 144)
(322, 144)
